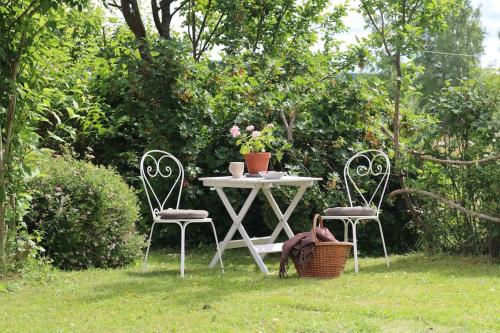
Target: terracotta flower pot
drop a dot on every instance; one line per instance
(257, 162)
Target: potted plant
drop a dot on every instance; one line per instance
(254, 144)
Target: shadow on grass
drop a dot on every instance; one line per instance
(196, 262)
(201, 285)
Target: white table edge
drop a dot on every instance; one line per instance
(229, 181)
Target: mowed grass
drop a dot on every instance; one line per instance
(417, 294)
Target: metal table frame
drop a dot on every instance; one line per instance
(258, 246)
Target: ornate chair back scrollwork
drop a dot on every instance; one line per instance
(160, 169)
(369, 164)
(368, 169)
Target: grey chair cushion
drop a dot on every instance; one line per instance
(177, 214)
(351, 211)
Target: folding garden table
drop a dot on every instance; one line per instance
(258, 246)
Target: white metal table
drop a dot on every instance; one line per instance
(258, 246)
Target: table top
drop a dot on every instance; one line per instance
(248, 182)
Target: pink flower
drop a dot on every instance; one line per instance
(270, 125)
(235, 131)
(250, 128)
(255, 134)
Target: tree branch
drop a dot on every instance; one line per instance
(447, 202)
(412, 11)
(382, 34)
(156, 17)
(192, 16)
(203, 23)
(114, 4)
(424, 157)
(278, 22)
(259, 29)
(179, 8)
(132, 16)
(19, 18)
(387, 133)
(205, 45)
(289, 125)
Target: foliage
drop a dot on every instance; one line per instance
(398, 30)
(173, 99)
(122, 89)
(262, 27)
(272, 27)
(416, 294)
(85, 214)
(465, 127)
(23, 24)
(66, 111)
(331, 120)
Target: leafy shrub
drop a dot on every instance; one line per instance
(193, 114)
(465, 127)
(85, 213)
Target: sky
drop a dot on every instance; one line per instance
(490, 18)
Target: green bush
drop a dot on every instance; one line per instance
(85, 213)
(465, 127)
(194, 115)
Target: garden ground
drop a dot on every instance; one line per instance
(417, 294)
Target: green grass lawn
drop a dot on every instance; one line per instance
(417, 294)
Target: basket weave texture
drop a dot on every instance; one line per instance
(328, 259)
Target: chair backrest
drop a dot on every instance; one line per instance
(373, 164)
(159, 170)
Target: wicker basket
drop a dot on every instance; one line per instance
(328, 259)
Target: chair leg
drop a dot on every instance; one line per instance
(355, 245)
(346, 230)
(217, 245)
(183, 244)
(147, 251)
(383, 242)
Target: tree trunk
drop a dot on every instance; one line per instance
(289, 125)
(5, 158)
(132, 16)
(494, 247)
(3, 229)
(194, 40)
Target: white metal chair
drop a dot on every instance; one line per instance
(369, 163)
(157, 165)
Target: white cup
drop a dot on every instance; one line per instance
(236, 169)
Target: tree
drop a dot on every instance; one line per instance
(452, 54)
(398, 28)
(21, 22)
(258, 26)
(270, 26)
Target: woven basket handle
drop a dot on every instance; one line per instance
(317, 218)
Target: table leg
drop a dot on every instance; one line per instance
(283, 218)
(252, 249)
(237, 218)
